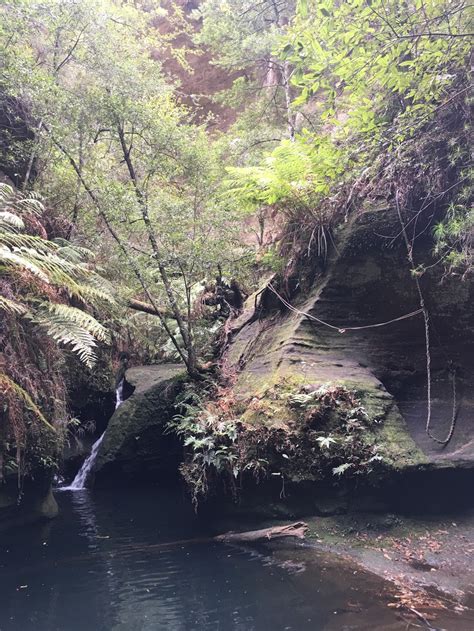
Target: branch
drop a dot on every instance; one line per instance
(138, 305)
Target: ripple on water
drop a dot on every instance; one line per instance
(99, 566)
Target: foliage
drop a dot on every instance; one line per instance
(51, 272)
(124, 153)
(39, 278)
(386, 85)
(242, 37)
(323, 434)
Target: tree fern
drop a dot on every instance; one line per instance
(59, 264)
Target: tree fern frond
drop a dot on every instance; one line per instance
(11, 200)
(12, 306)
(6, 193)
(10, 221)
(60, 264)
(96, 288)
(72, 252)
(13, 259)
(20, 393)
(65, 313)
(15, 240)
(29, 205)
(65, 331)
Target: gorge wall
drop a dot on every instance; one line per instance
(367, 280)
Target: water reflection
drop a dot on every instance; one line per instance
(107, 564)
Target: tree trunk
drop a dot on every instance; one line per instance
(185, 332)
(125, 252)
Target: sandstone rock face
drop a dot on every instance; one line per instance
(135, 443)
(368, 281)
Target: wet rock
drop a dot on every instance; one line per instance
(136, 443)
(36, 502)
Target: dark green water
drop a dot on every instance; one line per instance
(102, 565)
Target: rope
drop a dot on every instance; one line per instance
(340, 329)
(426, 320)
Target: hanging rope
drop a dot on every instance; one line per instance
(426, 320)
(340, 329)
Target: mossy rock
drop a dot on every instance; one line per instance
(136, 442)
(365, 283)
(37, 502)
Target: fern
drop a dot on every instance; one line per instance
(12, 306)
(64, 330)
(20, 393)
(11, 221)
(63, 313)
(59, 264)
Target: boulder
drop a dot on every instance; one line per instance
(136, 443)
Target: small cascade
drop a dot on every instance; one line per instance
(79, 482)
(119, 393)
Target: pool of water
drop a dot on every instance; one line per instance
(123, 561)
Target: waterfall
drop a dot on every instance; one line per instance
(119, 393)
(80, 480)
(84, 472)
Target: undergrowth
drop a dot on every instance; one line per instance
(323, 434)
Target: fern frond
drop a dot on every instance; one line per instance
(69, 334)
(10, 221)
(76, 253)
(12, 259)
(11, 200)
(12, 306)
(95, 288)
(70, 314)
(20, 393)
(29, 205)
(73, 328)
(60, 264)
(14, 240)
(6, 193)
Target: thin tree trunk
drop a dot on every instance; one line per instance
(124, 250)
(185, 333)
(31, 160)
(285, 75)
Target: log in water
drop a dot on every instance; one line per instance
(104, 565)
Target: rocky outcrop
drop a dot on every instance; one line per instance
(36, 502)
(365, 282)
(136, 443)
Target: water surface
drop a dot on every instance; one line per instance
(105, 564)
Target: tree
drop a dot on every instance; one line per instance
(387, 84)
(243, 37)
(115, 134)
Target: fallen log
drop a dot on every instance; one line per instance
(298, 529)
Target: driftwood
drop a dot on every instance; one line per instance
(298, 529)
